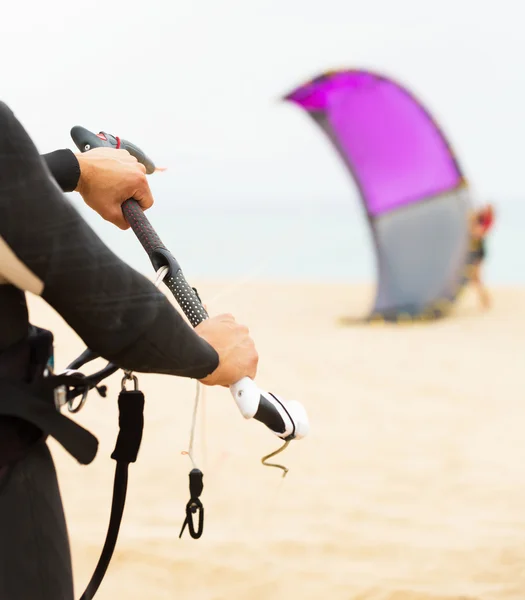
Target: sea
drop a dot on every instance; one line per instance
(316, 242)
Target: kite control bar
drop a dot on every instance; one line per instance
(85, 140)
(287, 419)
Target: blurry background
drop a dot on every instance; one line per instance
(198, 85)
(411, 485)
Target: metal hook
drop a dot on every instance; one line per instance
(71, 406)
(128, 376)
(61, 394)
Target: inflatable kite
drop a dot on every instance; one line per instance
(412, 187)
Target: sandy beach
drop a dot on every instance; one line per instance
(411, 485)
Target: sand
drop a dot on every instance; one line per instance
(411, 485)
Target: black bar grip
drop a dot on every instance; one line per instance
(159, 255)
(142, 228)
(186, 297)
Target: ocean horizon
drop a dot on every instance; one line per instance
(315, 242)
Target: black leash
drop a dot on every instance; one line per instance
(131, 426)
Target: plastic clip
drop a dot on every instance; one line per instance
(194, 506)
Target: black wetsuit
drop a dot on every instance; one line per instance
(48, 249)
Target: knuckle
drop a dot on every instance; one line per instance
(141, 180)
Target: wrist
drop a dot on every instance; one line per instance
(83, 170)
(64, 167)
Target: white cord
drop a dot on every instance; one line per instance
(161, 274)
(194, 424)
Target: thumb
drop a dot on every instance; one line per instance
(143, 196)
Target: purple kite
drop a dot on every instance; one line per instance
(412, 187)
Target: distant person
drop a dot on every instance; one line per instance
(482, 221)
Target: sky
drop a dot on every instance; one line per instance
(199, 84)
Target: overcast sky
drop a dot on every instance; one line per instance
(197, 84)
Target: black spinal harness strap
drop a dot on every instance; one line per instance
(20, 400)
(131, 425)
(37, 401)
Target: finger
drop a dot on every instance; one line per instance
(117, 218)
(120, 220)
(143, 194)
(253, 367)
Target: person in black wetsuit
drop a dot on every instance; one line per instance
(46, 248)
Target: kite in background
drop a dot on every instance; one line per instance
(412, 187)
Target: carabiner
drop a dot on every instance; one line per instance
(194, 505)
(128, 376)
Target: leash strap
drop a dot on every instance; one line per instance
(131, 426)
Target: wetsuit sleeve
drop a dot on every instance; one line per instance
(64, 167)
(116, 311)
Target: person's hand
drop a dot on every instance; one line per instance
(238, 357)
(108, 177)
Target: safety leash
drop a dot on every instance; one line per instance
(131, 426)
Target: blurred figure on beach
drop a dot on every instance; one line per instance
(481, 222)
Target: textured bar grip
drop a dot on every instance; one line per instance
(176, 283)
(142, 228)
(186, 297)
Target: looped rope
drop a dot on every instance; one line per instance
(264, 459)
